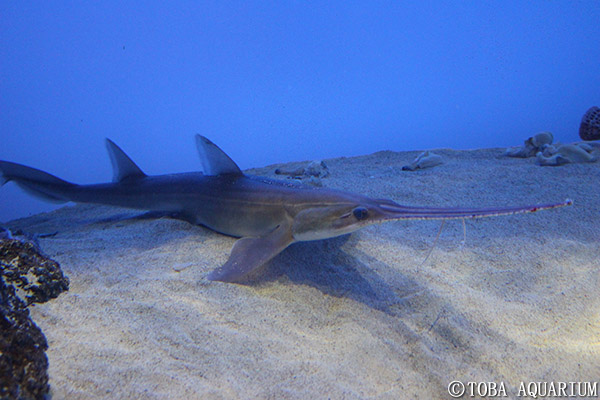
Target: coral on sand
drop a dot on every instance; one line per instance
(566, 154)
(549, 154)
(590, 124)
(26, 276)
(531, 146)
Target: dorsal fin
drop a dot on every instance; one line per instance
(214, 160)
(123, 167)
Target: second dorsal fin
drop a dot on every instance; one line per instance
(214, 160)
(123, 167)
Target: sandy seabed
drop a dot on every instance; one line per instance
(359, 316)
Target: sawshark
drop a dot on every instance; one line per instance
(267, 215)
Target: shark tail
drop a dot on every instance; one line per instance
(35, 182)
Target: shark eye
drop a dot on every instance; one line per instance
(360, 213)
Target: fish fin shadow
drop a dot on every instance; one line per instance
(328, 267)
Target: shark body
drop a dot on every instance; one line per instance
(267, 215)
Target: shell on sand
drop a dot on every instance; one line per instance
(586, 146)
(539, 140)
(316, 169)
(550, 149)
(520, 152)
(426, 159)
(590, 124)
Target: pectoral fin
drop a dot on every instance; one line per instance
(250, 253)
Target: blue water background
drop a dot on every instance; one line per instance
(280, 81)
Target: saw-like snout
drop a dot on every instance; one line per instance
(392, 211)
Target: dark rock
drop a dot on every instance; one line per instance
(26, 277)
(590, 125)
(37, 278)
(23, 363)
